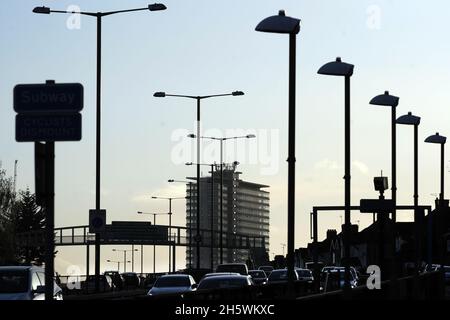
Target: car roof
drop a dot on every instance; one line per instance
(174, 275)
(231, 276)
(20, 268)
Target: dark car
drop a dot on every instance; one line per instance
(105, 284)
(259, 277)
(240, 268)
(116, 278)
(225, 282)
(130, 280)
(280, 276)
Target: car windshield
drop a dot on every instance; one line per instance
(304, 273)
(222, 283)
(278, 275)
(12, 281)
(230, 268)
(172, 282)
(257, 274)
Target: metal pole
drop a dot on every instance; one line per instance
(173, 257)
(347, 177)
(190, 226)
(198, 184)
(97, 162)
(124, 260)
(221, 201)
(154, 248)
(132, 258)
(50, 219)
(394, 162)
(416, 166)
(87, 261)
(316, 253)
(170, 224)
(142, 259)
(442, 173)
(291, 166)
(212, 217)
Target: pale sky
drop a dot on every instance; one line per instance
(208, 47)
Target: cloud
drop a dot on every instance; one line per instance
(327, 164)
(361, 167)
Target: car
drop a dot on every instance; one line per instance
(173, 284)
(447, 274)
(105, 284)
(215, 274)
(259, 277)
(117, 279)
(240, 268)
(225, 282)
(304, 275)
(334, 279)
(280, 276)
(432, 267)
(266, 269)
(130, 280)
(25, 283)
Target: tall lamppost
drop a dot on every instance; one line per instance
(190, 183)
(438, 139)
(154, 246)
(98, 16)
(170, 223)
(198, 99)
(288, 25)
(391, 101)
(118, 263)
(124, 257)
(212, 209)
(249, 136)
(410, 119)
(342, 69)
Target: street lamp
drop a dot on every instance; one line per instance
(342, 69)
(154, 246)
(198, 99)
(391, 101)
(190, 215)
(212, 209)
(288, 25)
(118, 263)
(124, 256)
(249, 136)
(410, 119)
(437, 139)
(170, 224)
(98, 16)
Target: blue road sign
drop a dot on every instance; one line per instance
(48, 97)
(48, 127)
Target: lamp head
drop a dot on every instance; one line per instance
(189, 163)
(156, 7)
(279, 24)
(159, 94)
(170, 180)
(337, 68)
(44, 10)
(436, 138)
(385, 100)
(237, 93)
(249, 136)
(409, 119)
(191, 135)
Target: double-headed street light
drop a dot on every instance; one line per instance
(125, 256)
(198, 99)
(118, 263)
(170, 224)
(98, 16)
(154, 246)
(249, 136)
(288, 25)
(212, 208)
(391, 101)
(438, 139)
(342, 69)
(190, 215)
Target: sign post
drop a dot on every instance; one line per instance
(47, 112)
